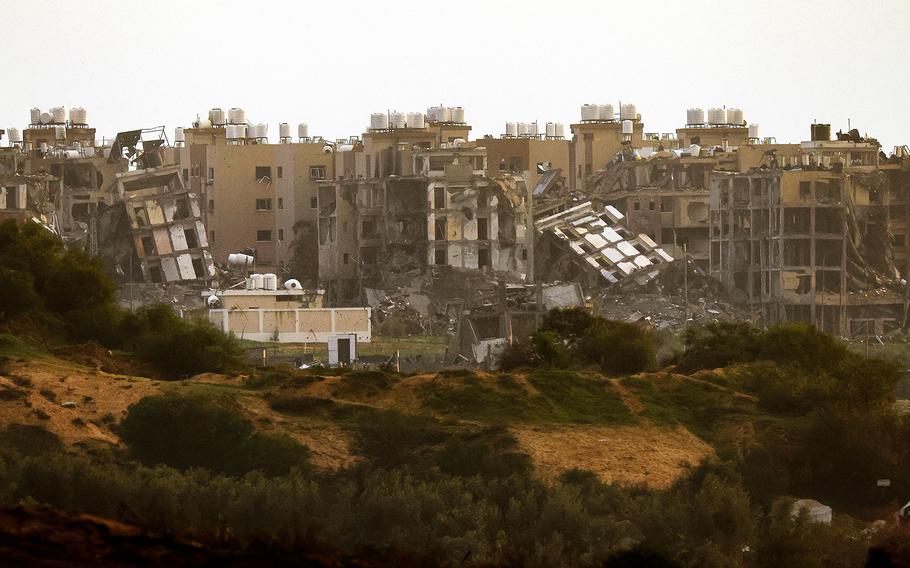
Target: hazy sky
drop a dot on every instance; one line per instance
(139, 64)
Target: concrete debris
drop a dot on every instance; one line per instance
(600, 243)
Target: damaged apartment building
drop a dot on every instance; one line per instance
(817, 233)
(113, 198)
(258, 197)
(414, 195)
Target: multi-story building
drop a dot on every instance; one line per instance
(815, 237)
(255, 194)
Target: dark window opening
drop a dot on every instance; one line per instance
(483, 229)
(483, 257)
(263, 235)
(263, 172)
(346, 258)
(263, 205)
(441, 229)
(199, 268)
(280, 172)
(439, 198)
(148, 246)
(314, 203)
(155, 274)
(280, 234)
(192, 240)
(439, 257)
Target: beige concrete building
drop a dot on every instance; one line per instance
(528, 157)
(255, 193)
(818, 237)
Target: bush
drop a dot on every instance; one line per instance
(17, 294)
(573, 336)
(30, 440)
(618, 347)
(179, 347)
(516, 356)
(718, 344)
(186, 431)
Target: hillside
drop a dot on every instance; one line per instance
(648, 429)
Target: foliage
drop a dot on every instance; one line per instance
(179, 347)
(718, 344)
(186, 431)
(30, 440)
(573, 337)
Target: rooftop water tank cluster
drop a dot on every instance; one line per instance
(395, 119)
(262, 282)
(591, 112)
(716, 117)
(78, 116)
(446, 114)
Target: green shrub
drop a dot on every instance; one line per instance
(489, 453)
(549, 348)
(617, 347)
(186, 431)
(30, 440)
(17, 294)
(180, 347)
(718, 344)
(516, 356)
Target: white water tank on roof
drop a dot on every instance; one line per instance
(303, 131)
(590, 112)
(695, 116)
(753, 131)
(431, 114)
(230, 132)
(59, 114)
(293, 284)
(240, 131)
(397, 119)
(532, 128)
(46, 118)
(457, 114)
(717, 116)
(605, 112)
(560, 130)
(735, 116)
(627, 127)
(216, 116)
(511, 129)
(262, 131)
(523, 129)
(627, 112)
(379, 121)
(444, 114)
(15, 135)
(179, 136)
(258, 281)
(284, 130)
(78, 115)
(35, 116)
(551, 130)
(60, 132)
(416, 120)
(270, 281)
(236, 116)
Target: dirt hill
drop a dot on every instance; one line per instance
(648, 429)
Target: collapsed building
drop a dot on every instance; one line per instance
(115, 199)
(818, 236)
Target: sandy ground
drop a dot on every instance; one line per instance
(77, 403)
(647, 455)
